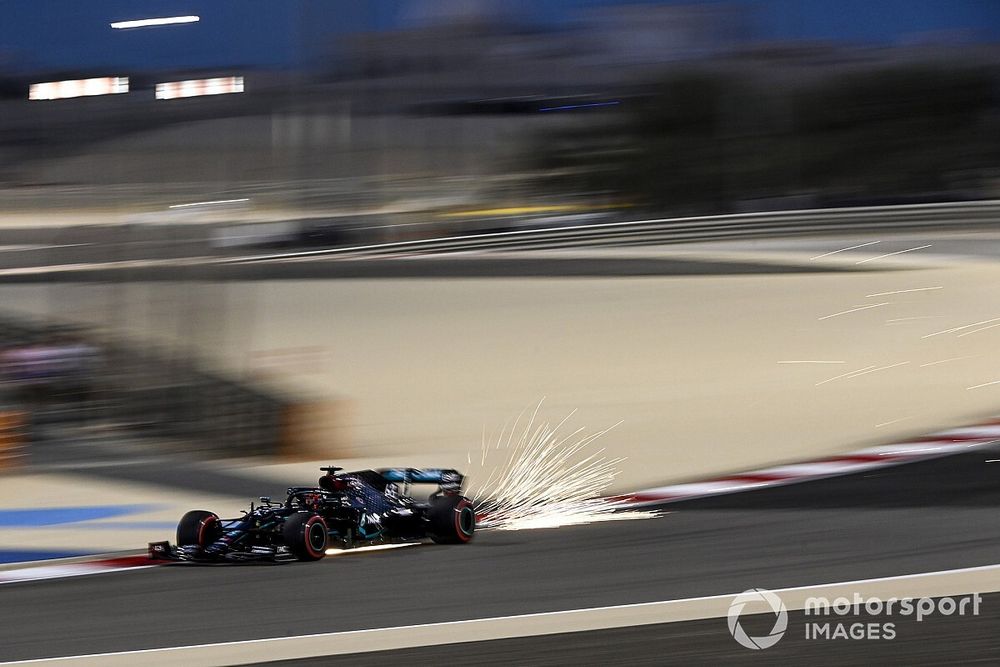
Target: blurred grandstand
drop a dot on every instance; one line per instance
(451, 118)
(667, 108)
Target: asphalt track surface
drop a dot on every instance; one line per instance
(927, 516)
(934, 515)
(934, 640)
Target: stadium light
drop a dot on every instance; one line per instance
(60, 90)
(149, 23)
(172, 90)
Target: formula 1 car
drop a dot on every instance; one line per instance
(346, 510)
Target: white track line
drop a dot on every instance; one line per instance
(39, 573)
(961, 581)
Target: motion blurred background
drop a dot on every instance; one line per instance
(162, 184)
(251, 236)
(389, 113)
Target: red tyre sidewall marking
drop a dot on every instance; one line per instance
(307, 528)
(458, 520)
(203, 524)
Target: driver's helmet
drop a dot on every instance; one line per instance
(331, 482)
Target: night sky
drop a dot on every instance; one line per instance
(40, 35)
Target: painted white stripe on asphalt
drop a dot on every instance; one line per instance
(62, 571)
(50, 572)
(963, 581)
(816, 469)
(696, 488)
(914, 449)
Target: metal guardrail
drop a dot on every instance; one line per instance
(910, 217)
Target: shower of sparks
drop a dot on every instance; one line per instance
(890, 254)
(985, 384)
(810, 361)
(961, 328)
(944, 361)
(864, 371)
(543, 479)
(905, 291)
(882, 368)
(894, 421)
(854, 310)
(860, 245)
(845, 375)
(988, 326)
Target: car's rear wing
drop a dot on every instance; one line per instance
(446, 478)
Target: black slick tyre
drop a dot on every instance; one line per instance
(306, 536)
(452, 519)
(198, 527)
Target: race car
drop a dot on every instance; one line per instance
(346, 510)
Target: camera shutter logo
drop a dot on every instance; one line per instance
(780, 621)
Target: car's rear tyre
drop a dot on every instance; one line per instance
(306, 536)
(199, 527)
(452, 519)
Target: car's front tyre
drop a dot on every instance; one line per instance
(199, 528)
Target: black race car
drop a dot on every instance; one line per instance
(346, 510)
